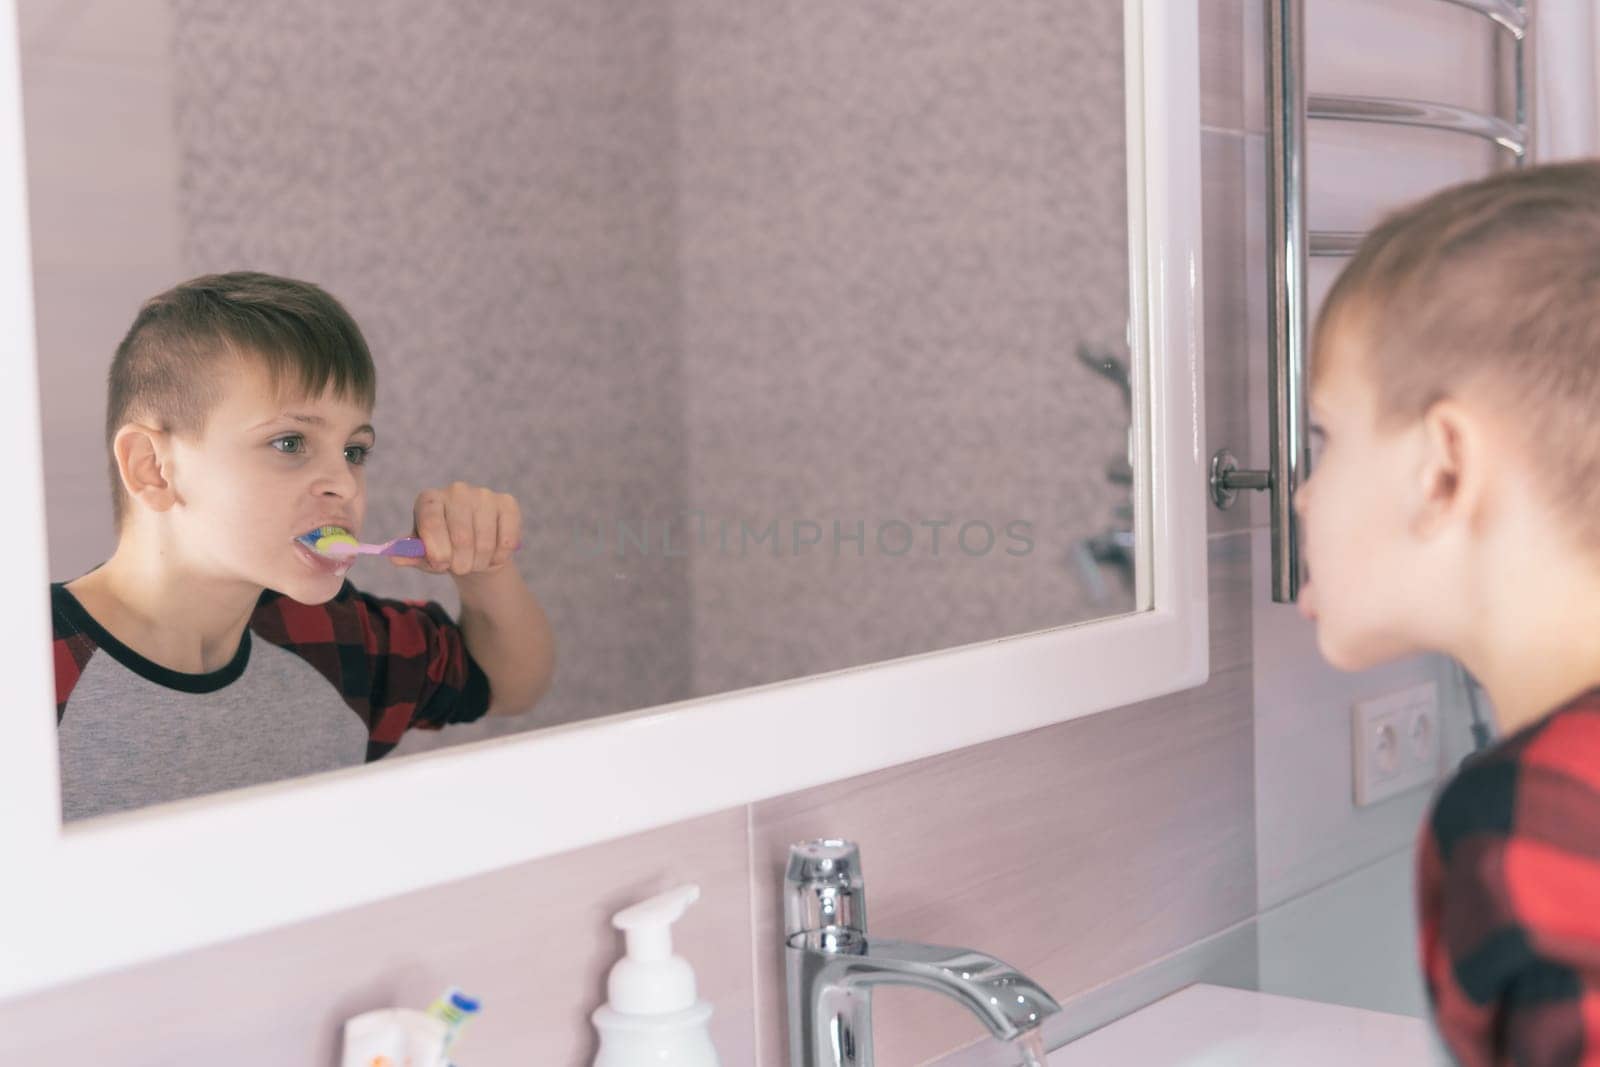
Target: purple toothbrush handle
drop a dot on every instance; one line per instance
(410, 546)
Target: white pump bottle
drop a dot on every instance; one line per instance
(652, 1016)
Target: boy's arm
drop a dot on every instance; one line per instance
(507, 632)
(470, 533)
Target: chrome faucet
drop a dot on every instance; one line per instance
(833, 965)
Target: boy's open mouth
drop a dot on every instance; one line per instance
(311, 544)
(323, 536)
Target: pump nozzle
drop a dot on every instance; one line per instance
(650, 980)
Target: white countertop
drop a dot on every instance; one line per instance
(1215, 1026)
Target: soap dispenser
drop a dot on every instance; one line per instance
(652, 1016)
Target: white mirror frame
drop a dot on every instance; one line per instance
(117, 890)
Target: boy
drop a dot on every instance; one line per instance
(212, 650)
(1455, 507)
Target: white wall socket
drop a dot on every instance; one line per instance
(1395, 743)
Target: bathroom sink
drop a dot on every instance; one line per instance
(1212, 1026)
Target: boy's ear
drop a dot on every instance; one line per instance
(142, 458)
(1452, 471)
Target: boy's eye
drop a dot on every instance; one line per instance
(295, 444)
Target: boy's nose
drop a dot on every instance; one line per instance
(338, 481)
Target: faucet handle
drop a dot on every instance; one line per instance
(824, 888)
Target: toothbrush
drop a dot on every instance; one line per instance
(453, 1008)
(336, 542)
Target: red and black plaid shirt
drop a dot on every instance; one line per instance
(1508, 880)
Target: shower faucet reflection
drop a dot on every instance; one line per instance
(1115, 547)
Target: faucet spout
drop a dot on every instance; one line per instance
(1007, 1001)
(833, 966)
(830, 985)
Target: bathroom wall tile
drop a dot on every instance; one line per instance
(1229, 578)
(1257, 345)
(1381, 48)
(102, 162)
(102, 181)
(37, 18)
(1254, 51)
(1227, 337)
(1377, 48)
(81, 311)
(870, 233)
(1567, 97)
(1352, 941)
(1356, 174)
(1222, 63)
(534, 941)
(1077, 853)
(121, 32)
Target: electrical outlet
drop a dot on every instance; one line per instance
(1395, 743)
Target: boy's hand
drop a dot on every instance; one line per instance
(465, 529)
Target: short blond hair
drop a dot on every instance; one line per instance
(1491, 283)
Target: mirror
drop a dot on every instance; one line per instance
(799, 335)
